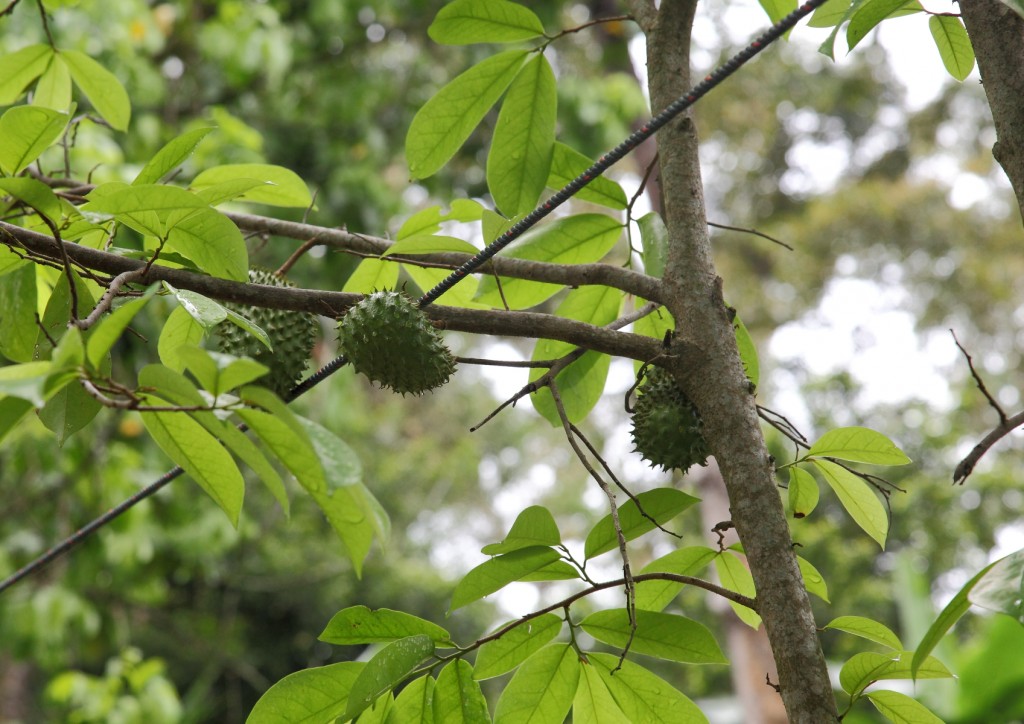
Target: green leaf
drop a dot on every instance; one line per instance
(542, 689)
(829, 15)
(312, 695)
(287, 439)
(12, 411)
(361, 625)
(513, 648)
(104, 335)
(664, 635)
(803, 492)
(444, 123)
(901, 709)
(859, 444)
(199, 453)
(35, 194)
(20, 68)
(18, 307)
(535, 526)
(179, 330)
(867, 667)
(379, 712)
(461, 295)
(385, 670)
(458, 698)
(119, 199)
(101, 87)
(68, 411)
(429, 244)
(58, 312)
(415, 705)
(688, 561)
(567, 164)
(643, 696)
(557, 571)
(228, 190)
(495, 574)
(278, 186)
(27, 381)
(734, 575)
(520, 156)
(210, 240)
(427, 222)
(748, 351)
(953, 44)
(172, 155)
(372, 275)
(858, 498)
(27, 132)
(867, 628)
(654, 240)
(483, 21)
(660, 504)
(53, 90)
(577, 239)
(814, 582)
(871, 13)
(593, 703)
(581, 384)
(778, 9)
(1000, 588)
(9, 261)
(208, 313)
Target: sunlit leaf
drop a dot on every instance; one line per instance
(20, 68)
(593, 703)
(34, 193)
(954, 45)
(734, 575)
(901, 709)
(542, 689)
(688, 561)
(535, 526)
(312, 695)
(361, 625)
(27, 132)
(504, 654)
(867, 667)
(457, 696)
(858, 498)
(416, 703)
(567, 164)
(278, 186)
(372, 275)
(101, 87)
(803, 492)
(643, 696)
(859, 444)
(867, 628)
(170, 156)
(483, 21)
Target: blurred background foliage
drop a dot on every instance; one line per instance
(172, 615)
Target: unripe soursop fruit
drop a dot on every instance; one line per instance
(291, 333)
(388, 339)
(666, 425)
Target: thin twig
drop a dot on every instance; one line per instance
(755, 232)
(980, 382)
(541, 364)
(966, 466)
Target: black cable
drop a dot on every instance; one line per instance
(518, 229)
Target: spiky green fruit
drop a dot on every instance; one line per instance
(666, 425)
(292, 335)
(388, 339)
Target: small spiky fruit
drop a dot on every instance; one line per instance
(388, 339)
(291, 333)
(666, 425)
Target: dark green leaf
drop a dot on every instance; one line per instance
(483, 21)
(504, 654)
(660, 504)
(664, 635)
(495, 574)
(311, 695)
(18, 307)
(68, 411)
(387, 669)
(458, 698)
(542, 689)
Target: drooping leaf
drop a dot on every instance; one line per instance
(444, 123)
(495, 574)
(361, 625)
(867, 628)
(170, 156)
(504, 654)
(688, 561)
(18, 307)
(520, 156)
(872, 12)
(1001, 587)
(542, 689)
(901, 709)
(858, 498)
(69, 410)
(803, 492)
(581, 384)
(312, 695)
(535, 526)
(567, 164)
(457, 696)
(278, 186)
(385, 670)
(101, 87)
(954, 45)
(664, 635)
(643, 696)
(27, 132)
(484, 21)
(660, 506)
(735, 576)
(859, 444)
(278, 429)
(20, 68)
(54, 87)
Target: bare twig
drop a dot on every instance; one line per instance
(966, 466)
(980, 382)
(755, 232)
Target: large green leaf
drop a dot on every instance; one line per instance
(954, 45)
(593, 703)
(311, 695)
(199, 453)
(179, 330)
(104, 335)
(542, 689)
(171, 156)
(101, 87)
(567, 164)
(664, 635)
(1001, 587)
(278, 429)
(657, 507)
(457, 696)
(495, 574)
(858, 498)
(12, 411)
(385, 670)
(872, 12)
(577, 239)
(361, 625)
(867, 667)
(901, 709)
(535, 526)
(581, 384)
(444, 123)
(860, 444)
(372, 275)
(18, 308)
(415, 704)
(20, 68)
(34, 193)
(27, 131)
(643, 696)
(867, 628)
(504, 654)
(520, 157)
(212, 242)
(484, 21)
(734, 575)
(278, 186)
(688, 561)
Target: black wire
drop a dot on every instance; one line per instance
(518, 229)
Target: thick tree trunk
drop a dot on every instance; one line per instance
(997, 34)
(709, 369)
